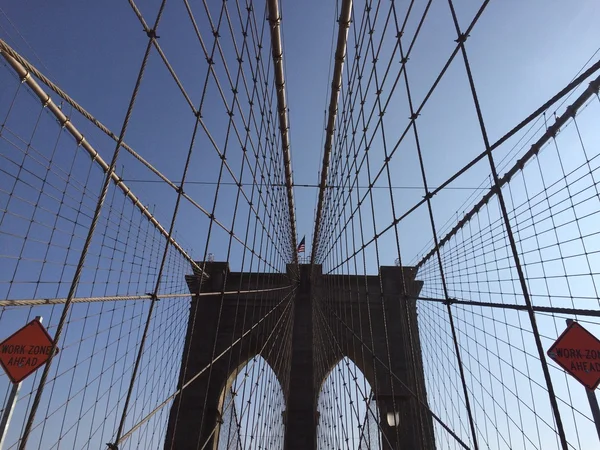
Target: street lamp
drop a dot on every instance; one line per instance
(393, 418)
(391, 407)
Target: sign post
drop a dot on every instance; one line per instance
(578, 352)
(21, 354)
(593, 406)
(8, 411)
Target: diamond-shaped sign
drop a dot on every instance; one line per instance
(25, 351)
(578, 352)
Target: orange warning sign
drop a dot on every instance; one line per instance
(25, 351)
(578, 352)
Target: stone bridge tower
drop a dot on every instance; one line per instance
(397, 379)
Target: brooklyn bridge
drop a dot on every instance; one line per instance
(367, 235)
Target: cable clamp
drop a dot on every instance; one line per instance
(462, 38)
(570, 111)
(152, 34)
(153, 296)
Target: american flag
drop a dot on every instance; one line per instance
(301, 246)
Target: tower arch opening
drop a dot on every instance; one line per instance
(347, 410)
(251, 408)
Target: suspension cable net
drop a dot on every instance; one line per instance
(96, 225)
(502, 263)
(159, 244)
